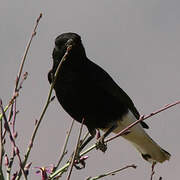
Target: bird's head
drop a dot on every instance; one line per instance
(76, 55)
(61, 42)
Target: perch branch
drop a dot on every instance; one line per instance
(142, 118)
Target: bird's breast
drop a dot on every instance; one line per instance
(70, 87)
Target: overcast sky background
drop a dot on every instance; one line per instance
(137, 42)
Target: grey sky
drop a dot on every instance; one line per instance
(137, 42)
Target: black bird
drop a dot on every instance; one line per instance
(87, 91)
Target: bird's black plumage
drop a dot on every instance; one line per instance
(85, 90)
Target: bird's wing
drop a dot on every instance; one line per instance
(103, 80)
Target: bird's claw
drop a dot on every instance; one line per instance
(100, 144)
(79, 163)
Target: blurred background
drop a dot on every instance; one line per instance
(136, 42)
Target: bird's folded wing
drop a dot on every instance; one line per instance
(103, 80)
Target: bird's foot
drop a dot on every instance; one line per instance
(100, 144)
(79, 162)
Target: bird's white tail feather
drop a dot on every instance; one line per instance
(137, 136)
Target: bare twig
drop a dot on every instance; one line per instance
(6, 125)
(9, 168)
(22, 81)
(9, 104)
(1, 151)
(14, 119)
(15, 95)
(13, 112)
(65, 145)
(69, 47)
(13, 107)
(25, 52)
(112, 172)
(1, 145)
(59, 171)
(152, 170)
(76, 150)
(16, 88)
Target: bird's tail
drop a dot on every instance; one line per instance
(148, 148)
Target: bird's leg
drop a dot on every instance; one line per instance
(100, 143)
(83, 144)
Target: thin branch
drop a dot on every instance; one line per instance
(1, 152)
(12, 103)
(69, 47)
(59, 171)
(9, 168)
(9, 104)
(152, 171)
(65, 146)
(112, 172)
(16, 88)
(22, 81)
(25, 52)
(6, 125)
(14, 119)
(1, 145)
(76, 150)
(15, 94)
